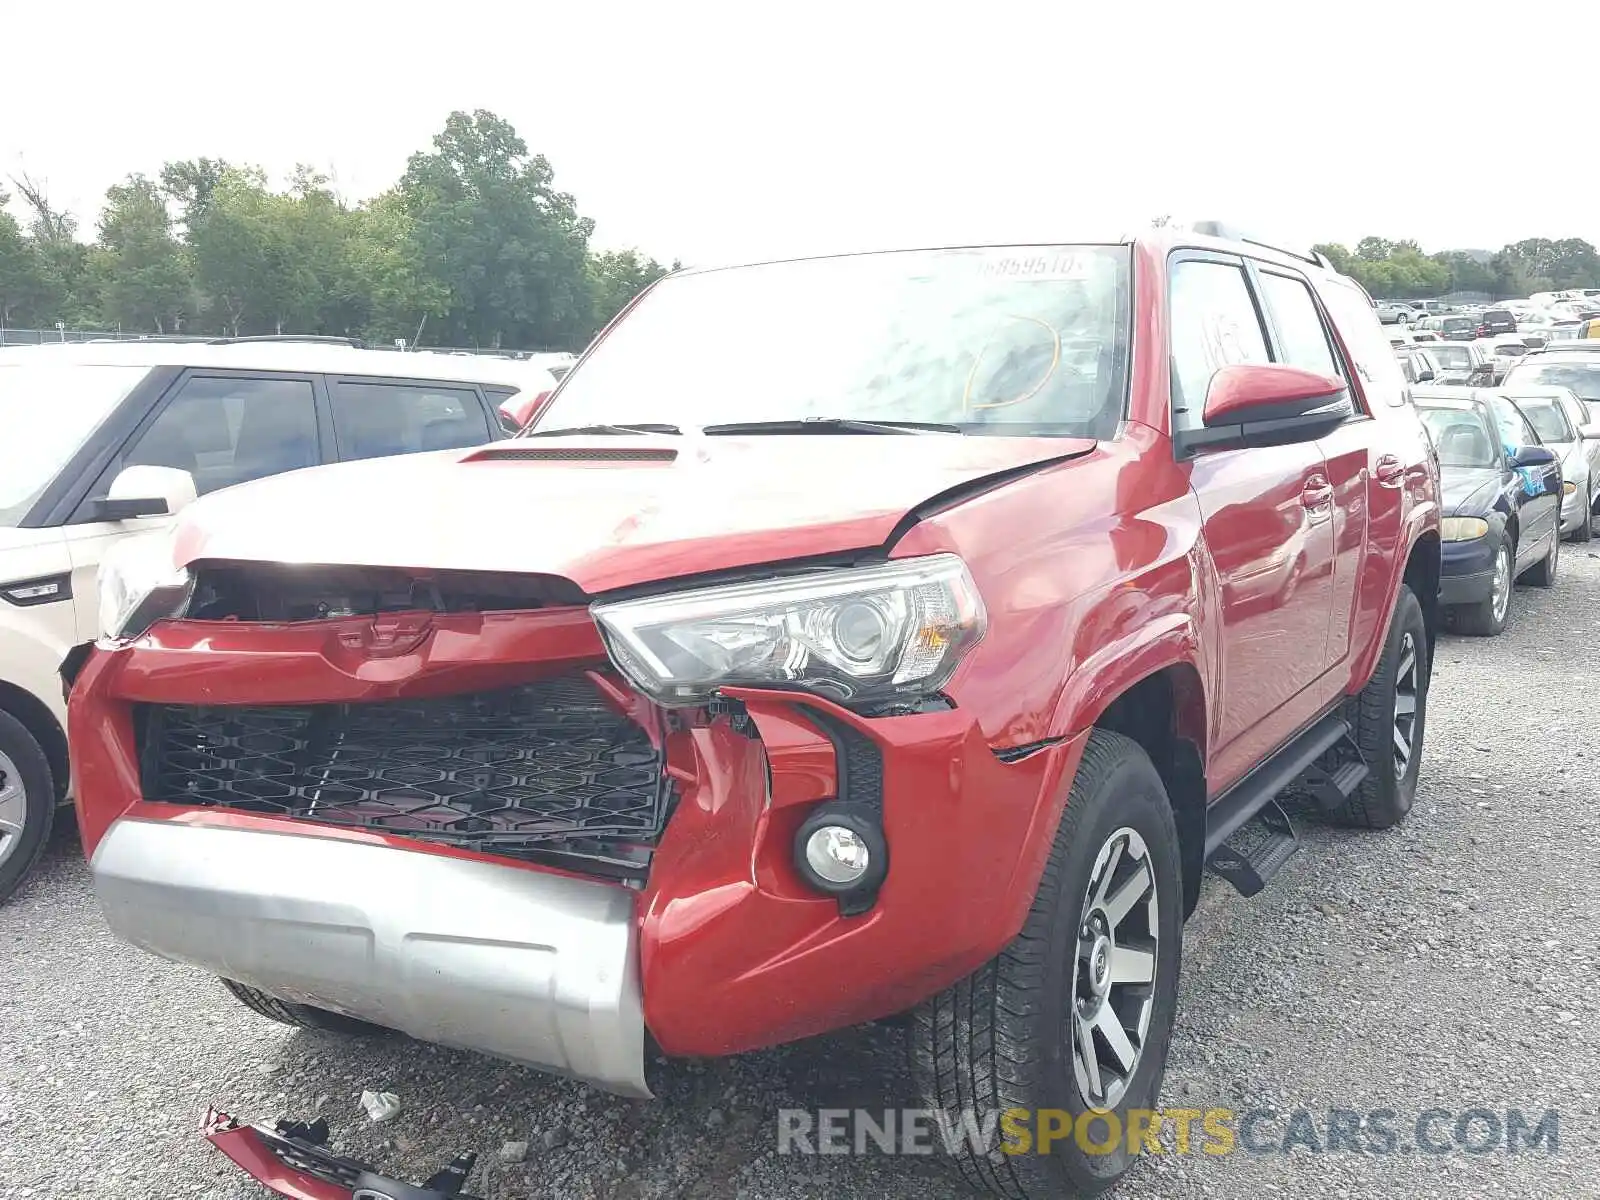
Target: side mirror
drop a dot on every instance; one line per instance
(518, 412)
(1533, 456)
(1424, 376)
(1266, 405)
(1589, 432)
(145, 492)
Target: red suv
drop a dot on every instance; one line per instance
(913, 654)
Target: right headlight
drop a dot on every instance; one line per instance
(889, 631)
(139, 586)
(1463, 529)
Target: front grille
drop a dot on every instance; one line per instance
(547, 770)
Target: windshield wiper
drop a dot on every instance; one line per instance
(828, 425)
(619, 430)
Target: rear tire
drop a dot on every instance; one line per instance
(1393, 706)
(1012, 1035)
(27, 803)
(1543, 573)
(304, 1016)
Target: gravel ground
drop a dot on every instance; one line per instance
(1451, 963)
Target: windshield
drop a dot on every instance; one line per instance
(1461, 437)
(1548, 419)
(47, 411)
(1582, 378)
(1451, 356)
(1015, 340)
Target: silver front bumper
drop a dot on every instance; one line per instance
(537, 968)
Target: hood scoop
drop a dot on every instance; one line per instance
(574, 454)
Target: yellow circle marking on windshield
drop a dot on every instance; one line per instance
(1055, 360)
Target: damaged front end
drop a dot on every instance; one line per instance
(292, 1158)
(488, 813)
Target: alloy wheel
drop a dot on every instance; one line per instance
(1407, 679)
(13, 808)
(1113, 988)
(1500, 586)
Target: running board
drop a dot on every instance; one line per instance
(1256, 852)
(1249, 837)
(1247, 797)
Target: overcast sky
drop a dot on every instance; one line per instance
(715, 132)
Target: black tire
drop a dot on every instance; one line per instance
(1585, 530)
(996, 1041)
(32, 774)
(302, 1015)
(1480, 619)
(1543, 573)
(1385, 797)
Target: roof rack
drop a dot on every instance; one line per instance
(1221, 229)
(326, 339)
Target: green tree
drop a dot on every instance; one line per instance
(246, 260)
(139, 271)
(616, 277)
(511, 250)
(387, 283)
(189, 185)
(22, 289)
(61, 262)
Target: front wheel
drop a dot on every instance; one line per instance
(1070, 1023)
(1391, 716)
(303, 1016)
(27, 803)
(1488, 616)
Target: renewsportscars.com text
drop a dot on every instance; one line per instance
(1209, 1131)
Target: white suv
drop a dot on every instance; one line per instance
(104, 441)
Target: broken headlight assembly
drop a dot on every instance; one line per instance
(893, 630)
(139, 586)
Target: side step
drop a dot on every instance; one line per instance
(1332, 788)
(1248, 835)
(1256, 852)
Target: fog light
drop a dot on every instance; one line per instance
(838, 854)
(840, 849)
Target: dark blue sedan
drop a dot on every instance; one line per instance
(1501, 500)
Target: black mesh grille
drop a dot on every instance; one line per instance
(545, 769)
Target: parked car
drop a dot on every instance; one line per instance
(1458, 328)
(1557, 365)
(1495, 321)
(1558, 417)
(107, 441)
(1417, 364)
(918, 681)
(1501, 504)
(1391, 312)
(1462, 363)
(1503, 353)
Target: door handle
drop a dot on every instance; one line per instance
(1389, 471)
(1317, 493)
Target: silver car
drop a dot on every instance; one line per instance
(1562, 422)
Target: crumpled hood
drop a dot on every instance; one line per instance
(604, 512)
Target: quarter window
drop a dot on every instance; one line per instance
(373, 420)
(1214, 324)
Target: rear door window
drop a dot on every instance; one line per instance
(377, 418)
(1371, 355)
(1549, 419)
